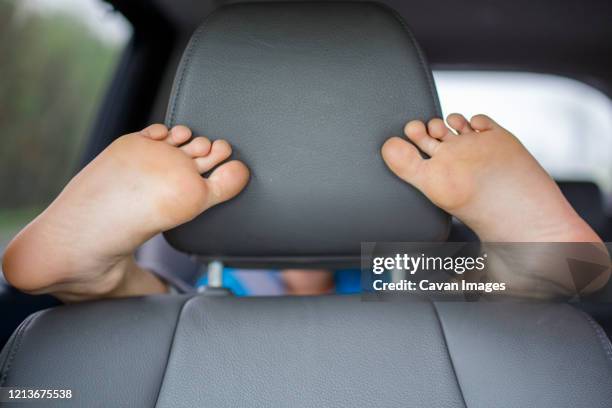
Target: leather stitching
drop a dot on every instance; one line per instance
(185, 66)
(178, 319)
(421, 56)
(6, 351)
(450, 358)
(601, 335)
(15, 345)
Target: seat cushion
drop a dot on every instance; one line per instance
(332, 351)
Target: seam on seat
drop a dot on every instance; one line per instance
(15, 344)
(184, 66)
(6, 351)
(601, 335)
(448, 352)
(420, 55)
(169, 353)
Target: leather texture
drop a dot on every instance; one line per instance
(527, 355)
(109, 353)
(306, 93)
(330, 351)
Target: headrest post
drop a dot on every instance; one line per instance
(215, 274)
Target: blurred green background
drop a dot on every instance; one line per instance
(54, 70)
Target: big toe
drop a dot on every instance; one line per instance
(403, 159)
(226, 181)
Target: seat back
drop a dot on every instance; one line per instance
(331, 351)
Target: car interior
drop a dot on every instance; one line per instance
(274, 78)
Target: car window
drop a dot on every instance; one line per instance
(57, 59)
(565, 124)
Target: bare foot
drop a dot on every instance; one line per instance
(81, 247)
(485, 177)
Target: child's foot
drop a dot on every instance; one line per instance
(144, 183)
(485, 177)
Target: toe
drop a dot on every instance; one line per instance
(157, 131)
(226, 182)
(459, 123)
(437, 129)
(219, 151)
(482, 122)
(416, 131)
(403, 159)
(198, 147)
(178, 135)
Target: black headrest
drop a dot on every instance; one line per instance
(306, 93)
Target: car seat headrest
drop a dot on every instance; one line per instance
(306, 93)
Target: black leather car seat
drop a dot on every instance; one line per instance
(331, 351)
(307, 93)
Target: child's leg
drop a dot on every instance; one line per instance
(485, 177)
(81, 247)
